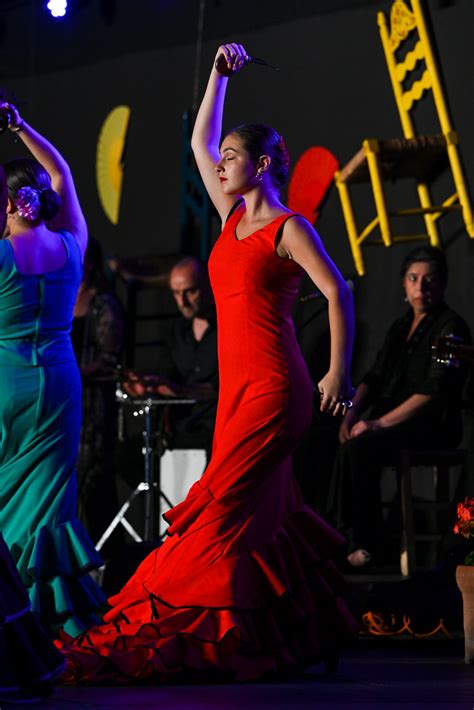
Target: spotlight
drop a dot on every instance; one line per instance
(57, 8)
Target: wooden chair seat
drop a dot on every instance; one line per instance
(422, 157)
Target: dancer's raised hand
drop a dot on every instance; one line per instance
(13, 116)
(230, 58)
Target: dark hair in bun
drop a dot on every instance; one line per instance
(24, 172)
(50, 202)
(259, 139)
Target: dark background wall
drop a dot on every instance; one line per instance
(333, 90)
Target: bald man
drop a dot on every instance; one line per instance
(187, 366)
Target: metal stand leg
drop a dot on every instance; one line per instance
(161, 493)
(147, 486)
(121, 520)
(148, 474)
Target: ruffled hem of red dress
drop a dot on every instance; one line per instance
(294, 615)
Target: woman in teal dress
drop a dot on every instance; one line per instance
(40, 387)
(28, 659)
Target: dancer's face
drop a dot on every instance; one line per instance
(236, 170)
(423, 287)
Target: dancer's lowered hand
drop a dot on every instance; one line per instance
(335, 391)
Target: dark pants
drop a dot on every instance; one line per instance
(354, 504)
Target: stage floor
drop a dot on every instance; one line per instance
(373, 676)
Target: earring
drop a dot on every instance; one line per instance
(259, 175)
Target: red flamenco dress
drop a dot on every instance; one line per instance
(243, 586)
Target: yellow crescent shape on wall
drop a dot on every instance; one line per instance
(110, 160)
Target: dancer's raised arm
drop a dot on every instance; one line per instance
(208, 126)
(70, 216)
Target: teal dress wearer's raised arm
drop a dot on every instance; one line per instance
(40, 419)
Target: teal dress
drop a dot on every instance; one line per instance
(40, 420)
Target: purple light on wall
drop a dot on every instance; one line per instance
(57, 8)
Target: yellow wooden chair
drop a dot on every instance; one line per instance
(414, 156)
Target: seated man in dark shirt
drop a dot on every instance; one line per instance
(187, 366)
(414, 401)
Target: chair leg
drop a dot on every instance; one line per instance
(459, 492)
(407, 551)
(461, 486)
(442, 472)
(351, 225)
(430, 220)
(440, 519)
(371, 149)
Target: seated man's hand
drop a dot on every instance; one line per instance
(348, 422)
(139, 386)
(363, 426)
(165, 389)
(144, 385)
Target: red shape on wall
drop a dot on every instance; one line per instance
(310, 180)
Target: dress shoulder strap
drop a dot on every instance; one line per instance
(281, 224)
(234, 208)
(72, 247)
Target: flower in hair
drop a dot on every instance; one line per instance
(27, 203)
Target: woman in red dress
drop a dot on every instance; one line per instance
(243, 587)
